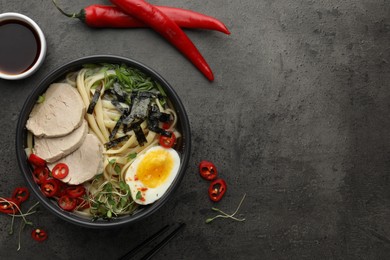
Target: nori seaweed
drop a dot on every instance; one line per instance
(95, 99)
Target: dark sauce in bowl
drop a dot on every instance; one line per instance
(19, 47)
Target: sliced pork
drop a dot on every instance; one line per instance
(53, 149)
(85, 162)
(59, 114)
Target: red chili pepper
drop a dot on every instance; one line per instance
(75, 191)
(36, 161)
(166, 125)
(60, 171)
(67, 203)
(208, 170)
(217, 189)
(166, 27)
(83, 204)
(62, 187)
(50, 187)
(21, 194)
(103, 16)
(39, 235)
(167, 142)
(9, 205)
(40, 174)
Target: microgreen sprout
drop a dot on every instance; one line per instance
(21, 215)
(226, 215)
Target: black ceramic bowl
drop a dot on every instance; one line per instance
(183, 146)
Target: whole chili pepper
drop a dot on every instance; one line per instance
(166, 27)
(103, 16)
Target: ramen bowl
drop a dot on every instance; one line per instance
(182, 145)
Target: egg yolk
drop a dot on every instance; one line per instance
(155, 168)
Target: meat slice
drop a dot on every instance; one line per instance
(61, 112)
(85, 162)
(53, 149)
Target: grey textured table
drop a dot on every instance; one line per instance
(297, 118)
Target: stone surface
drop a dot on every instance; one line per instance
(297, 118)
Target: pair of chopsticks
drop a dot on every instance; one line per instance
(152, 238)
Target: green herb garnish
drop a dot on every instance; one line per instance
(131, 156)
(41, 99)
(112, 161)
(138, 196)
(117, 169)
(123, 186)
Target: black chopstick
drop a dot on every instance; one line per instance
(155, 249)
(135, 250)
(160, 245)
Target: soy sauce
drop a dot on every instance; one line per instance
(19, 47)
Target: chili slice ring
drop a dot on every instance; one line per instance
(67, 203)
(36, 161)
(207, 170)
(49, 187)
(21, 194)
(60, 171)
(9, 205)
(61, 188)
(40, 174)
(167, 142)
(83, 204)
(39, 235)
(75, 191)
(217, 189)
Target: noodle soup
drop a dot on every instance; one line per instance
(112, 146)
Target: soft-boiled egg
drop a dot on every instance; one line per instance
(151, 174)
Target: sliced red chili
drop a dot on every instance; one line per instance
(83, 204)
(67, 203)
(60, 171)
(61, 188)
(75, 191)
(207, 170)
(9, 205)
(40, 174)
(217, 189)
(50, 187)
(21, 194)
(39, 235)
(36, 161)
(166, 141)
(166, 125)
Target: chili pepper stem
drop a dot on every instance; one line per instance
(74, 15)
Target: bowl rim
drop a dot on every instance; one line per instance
(43, 49)
(59, 72)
